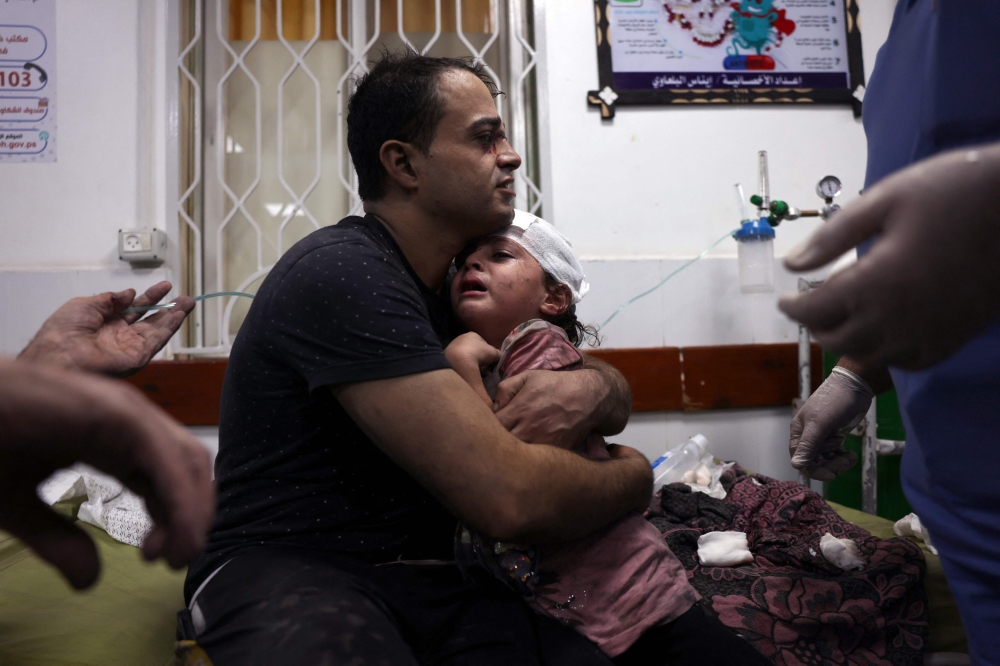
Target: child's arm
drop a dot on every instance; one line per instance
(470, 355)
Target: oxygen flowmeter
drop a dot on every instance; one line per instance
(755, 237)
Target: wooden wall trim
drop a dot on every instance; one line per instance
(190, 391)
(662, 379)
(715, 377)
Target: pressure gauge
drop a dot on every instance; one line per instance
(829, 187)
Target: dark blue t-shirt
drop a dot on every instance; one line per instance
(935, 87)
(343, 305)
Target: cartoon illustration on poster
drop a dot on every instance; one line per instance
(27, 81)
(728, 44)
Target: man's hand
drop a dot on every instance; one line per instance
(562, 408)
(931, 281)
(819, 428)
(91, 333)
(51, 418)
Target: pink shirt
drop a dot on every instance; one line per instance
(619, 581)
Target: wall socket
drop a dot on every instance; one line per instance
(142, 246)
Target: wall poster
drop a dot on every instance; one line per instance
(27, 81)
(653, 52)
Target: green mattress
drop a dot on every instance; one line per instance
(128, 618)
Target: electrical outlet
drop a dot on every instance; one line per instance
(142, 246)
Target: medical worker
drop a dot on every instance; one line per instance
(924, 296)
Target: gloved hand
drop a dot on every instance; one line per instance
(819, 428)
(931, 281)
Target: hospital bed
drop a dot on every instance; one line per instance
(128, 618)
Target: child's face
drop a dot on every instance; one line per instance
(501, 286)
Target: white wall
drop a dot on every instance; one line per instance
(59, 221)
(637, 195)
(642, 193)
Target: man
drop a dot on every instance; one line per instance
(924, 297)
(53, 414)
(348, 443)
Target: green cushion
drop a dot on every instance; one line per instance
(127, 618)
(947, 632)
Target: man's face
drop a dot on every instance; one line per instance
(467, 177)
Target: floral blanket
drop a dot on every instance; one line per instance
(790, 603)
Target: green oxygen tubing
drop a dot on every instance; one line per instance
(729, 234)
(662, 282)
(147, 308)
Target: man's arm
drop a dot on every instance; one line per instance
(91, 333)
(562, 408)
(440, 432)
(51, 418)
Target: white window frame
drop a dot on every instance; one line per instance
(521, 59)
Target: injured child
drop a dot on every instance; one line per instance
(621, 587)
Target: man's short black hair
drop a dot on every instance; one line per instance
(398, 99)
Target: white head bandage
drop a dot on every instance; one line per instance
(550, 249)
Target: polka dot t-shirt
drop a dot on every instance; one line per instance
(342, 305)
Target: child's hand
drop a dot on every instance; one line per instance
(470, 350)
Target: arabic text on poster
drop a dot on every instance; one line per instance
(27, 81)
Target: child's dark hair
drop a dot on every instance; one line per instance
(577, 332)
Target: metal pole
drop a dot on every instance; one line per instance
(805, 370)
(869, 464)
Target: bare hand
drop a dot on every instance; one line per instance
(549, 407)
(931, 281)
(469, 349)
(91, 333)
(51, 418)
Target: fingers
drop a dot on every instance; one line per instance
(834, 463)
(57, 541)
(506, 391)
(841, 296)
(159, 328)
(856, 223)
(155, 457)
(181, 499)
(858, 337)
(152, 296)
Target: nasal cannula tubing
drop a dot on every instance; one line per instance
(147, 308)
(664, 280)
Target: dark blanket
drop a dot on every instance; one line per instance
(790, 603)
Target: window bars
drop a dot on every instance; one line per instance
(259, 134)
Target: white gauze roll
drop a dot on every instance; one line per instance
(550, 249)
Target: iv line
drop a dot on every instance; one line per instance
(147, 308)
(664, 280)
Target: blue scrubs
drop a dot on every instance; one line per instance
(936, 86)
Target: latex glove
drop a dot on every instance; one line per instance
(51, 418)
(819, 428)
(931, 281)
(91, 333)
